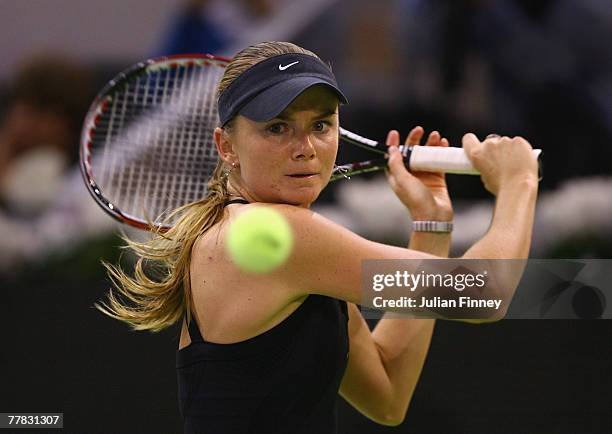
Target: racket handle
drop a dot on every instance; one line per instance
(445, 160)
(421, 159)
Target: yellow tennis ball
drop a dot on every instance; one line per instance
(259, 240)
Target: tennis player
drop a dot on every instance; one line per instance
(269, 353)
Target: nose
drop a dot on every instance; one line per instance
(304, 148)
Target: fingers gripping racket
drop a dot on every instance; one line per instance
(147, 143)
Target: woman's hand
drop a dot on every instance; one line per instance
(423, 193)
(501, 161)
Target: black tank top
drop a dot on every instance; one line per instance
(283, 381)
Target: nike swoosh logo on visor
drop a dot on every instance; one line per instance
(282, 68)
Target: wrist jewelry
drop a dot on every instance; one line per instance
(432, 226)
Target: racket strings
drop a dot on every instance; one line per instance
(188, 140)
(155, 143)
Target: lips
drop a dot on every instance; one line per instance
(302, 175)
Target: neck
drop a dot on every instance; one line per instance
(237, 192)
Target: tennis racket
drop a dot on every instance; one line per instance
(147, 143)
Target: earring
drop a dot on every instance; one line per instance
(227, 172)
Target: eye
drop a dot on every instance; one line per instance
(277, 128)
(321, 125)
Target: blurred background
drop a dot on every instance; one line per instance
(540, 69)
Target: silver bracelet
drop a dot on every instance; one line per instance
(432, 226)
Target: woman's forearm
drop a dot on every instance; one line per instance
(509, 236)
(435, 243)
(403, 343)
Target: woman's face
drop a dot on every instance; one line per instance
(288, 159)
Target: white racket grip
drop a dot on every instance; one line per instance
(445, 160)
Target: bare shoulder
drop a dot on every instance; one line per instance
(313, 230)
(231, 304)
(207, 243)
(310, 229)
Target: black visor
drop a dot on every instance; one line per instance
(264, 90)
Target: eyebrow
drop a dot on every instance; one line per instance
(285, 117)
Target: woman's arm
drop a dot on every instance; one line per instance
(385, 365)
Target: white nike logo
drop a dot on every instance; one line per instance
(282, 68)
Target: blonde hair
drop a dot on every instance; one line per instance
(159, 292)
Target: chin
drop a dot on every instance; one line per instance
(302, 197)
